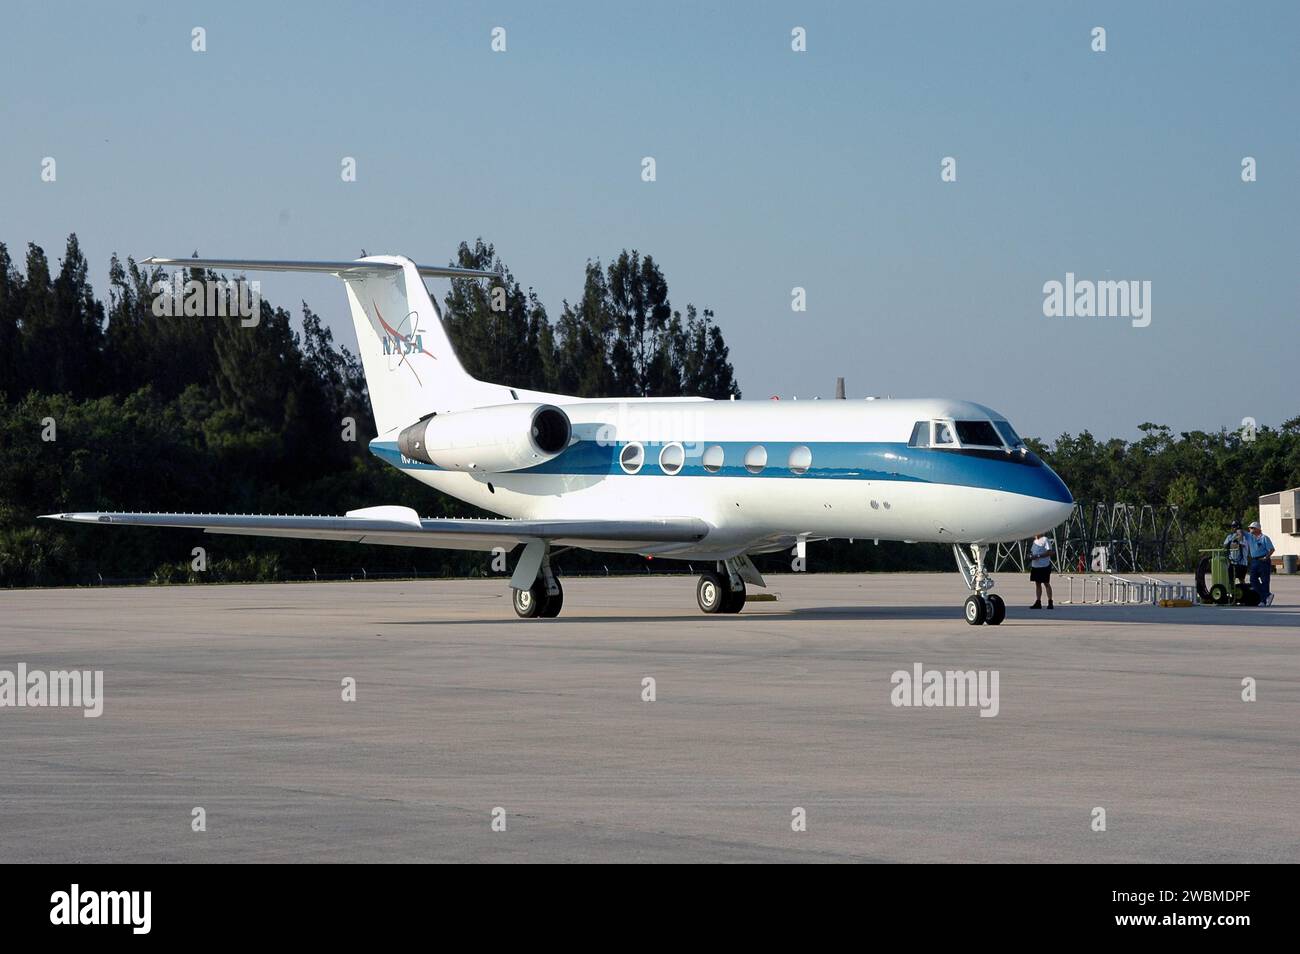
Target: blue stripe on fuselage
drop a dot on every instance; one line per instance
(830, 461)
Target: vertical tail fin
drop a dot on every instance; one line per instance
(411, 367)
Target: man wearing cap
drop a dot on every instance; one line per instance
(1260, 548)
(1238, 553)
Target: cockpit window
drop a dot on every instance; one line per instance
(956, 435)
(1009, 434)
(978, 434)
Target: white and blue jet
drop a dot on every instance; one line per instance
(673, 478)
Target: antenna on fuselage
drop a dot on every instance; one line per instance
(839, 389)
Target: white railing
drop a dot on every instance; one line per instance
(1098, 589)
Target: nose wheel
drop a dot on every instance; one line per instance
(991, 609)
(981, 606)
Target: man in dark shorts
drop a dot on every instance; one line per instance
(1040, 569)
(1261, 562)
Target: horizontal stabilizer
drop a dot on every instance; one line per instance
(329, 268)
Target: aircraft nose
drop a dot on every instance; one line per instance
(1052, 488)
(1057, 501)
(1044, 515)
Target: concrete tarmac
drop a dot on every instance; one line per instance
(229, 699)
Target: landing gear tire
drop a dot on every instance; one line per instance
(554, 601)
(532, 602)
(711, 593)
(997, 609)
(734, 601)
(1202, 573)
(979, 608)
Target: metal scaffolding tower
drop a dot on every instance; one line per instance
(1111, 537)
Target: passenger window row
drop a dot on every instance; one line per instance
(673, 457)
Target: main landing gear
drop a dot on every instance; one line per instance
(537, 593)
(981, 606)
(538, 601)
(721, 590)
(544, 598)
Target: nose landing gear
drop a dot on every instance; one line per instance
(981, 606)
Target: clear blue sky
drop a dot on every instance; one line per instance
(775, 169)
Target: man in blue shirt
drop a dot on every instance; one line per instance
(1238, 553)
(1261, 562)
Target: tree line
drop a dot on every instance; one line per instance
(104, 405)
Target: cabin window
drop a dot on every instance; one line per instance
(712, 459)
(631, 458)
(671, 459)
(978, 434)
(756, 459)
(800, 460)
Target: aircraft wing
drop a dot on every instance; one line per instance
(401, 526)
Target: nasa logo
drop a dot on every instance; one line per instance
(402, 345)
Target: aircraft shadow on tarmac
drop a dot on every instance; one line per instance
(1148, 615)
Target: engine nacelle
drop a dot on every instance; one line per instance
(489, 439)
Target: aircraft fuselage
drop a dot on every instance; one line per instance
(763, 474)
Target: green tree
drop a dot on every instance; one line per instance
(13, 380)
(62, 324)
(583, 338)
(501, 333)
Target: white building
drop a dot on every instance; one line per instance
(1277, 515)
